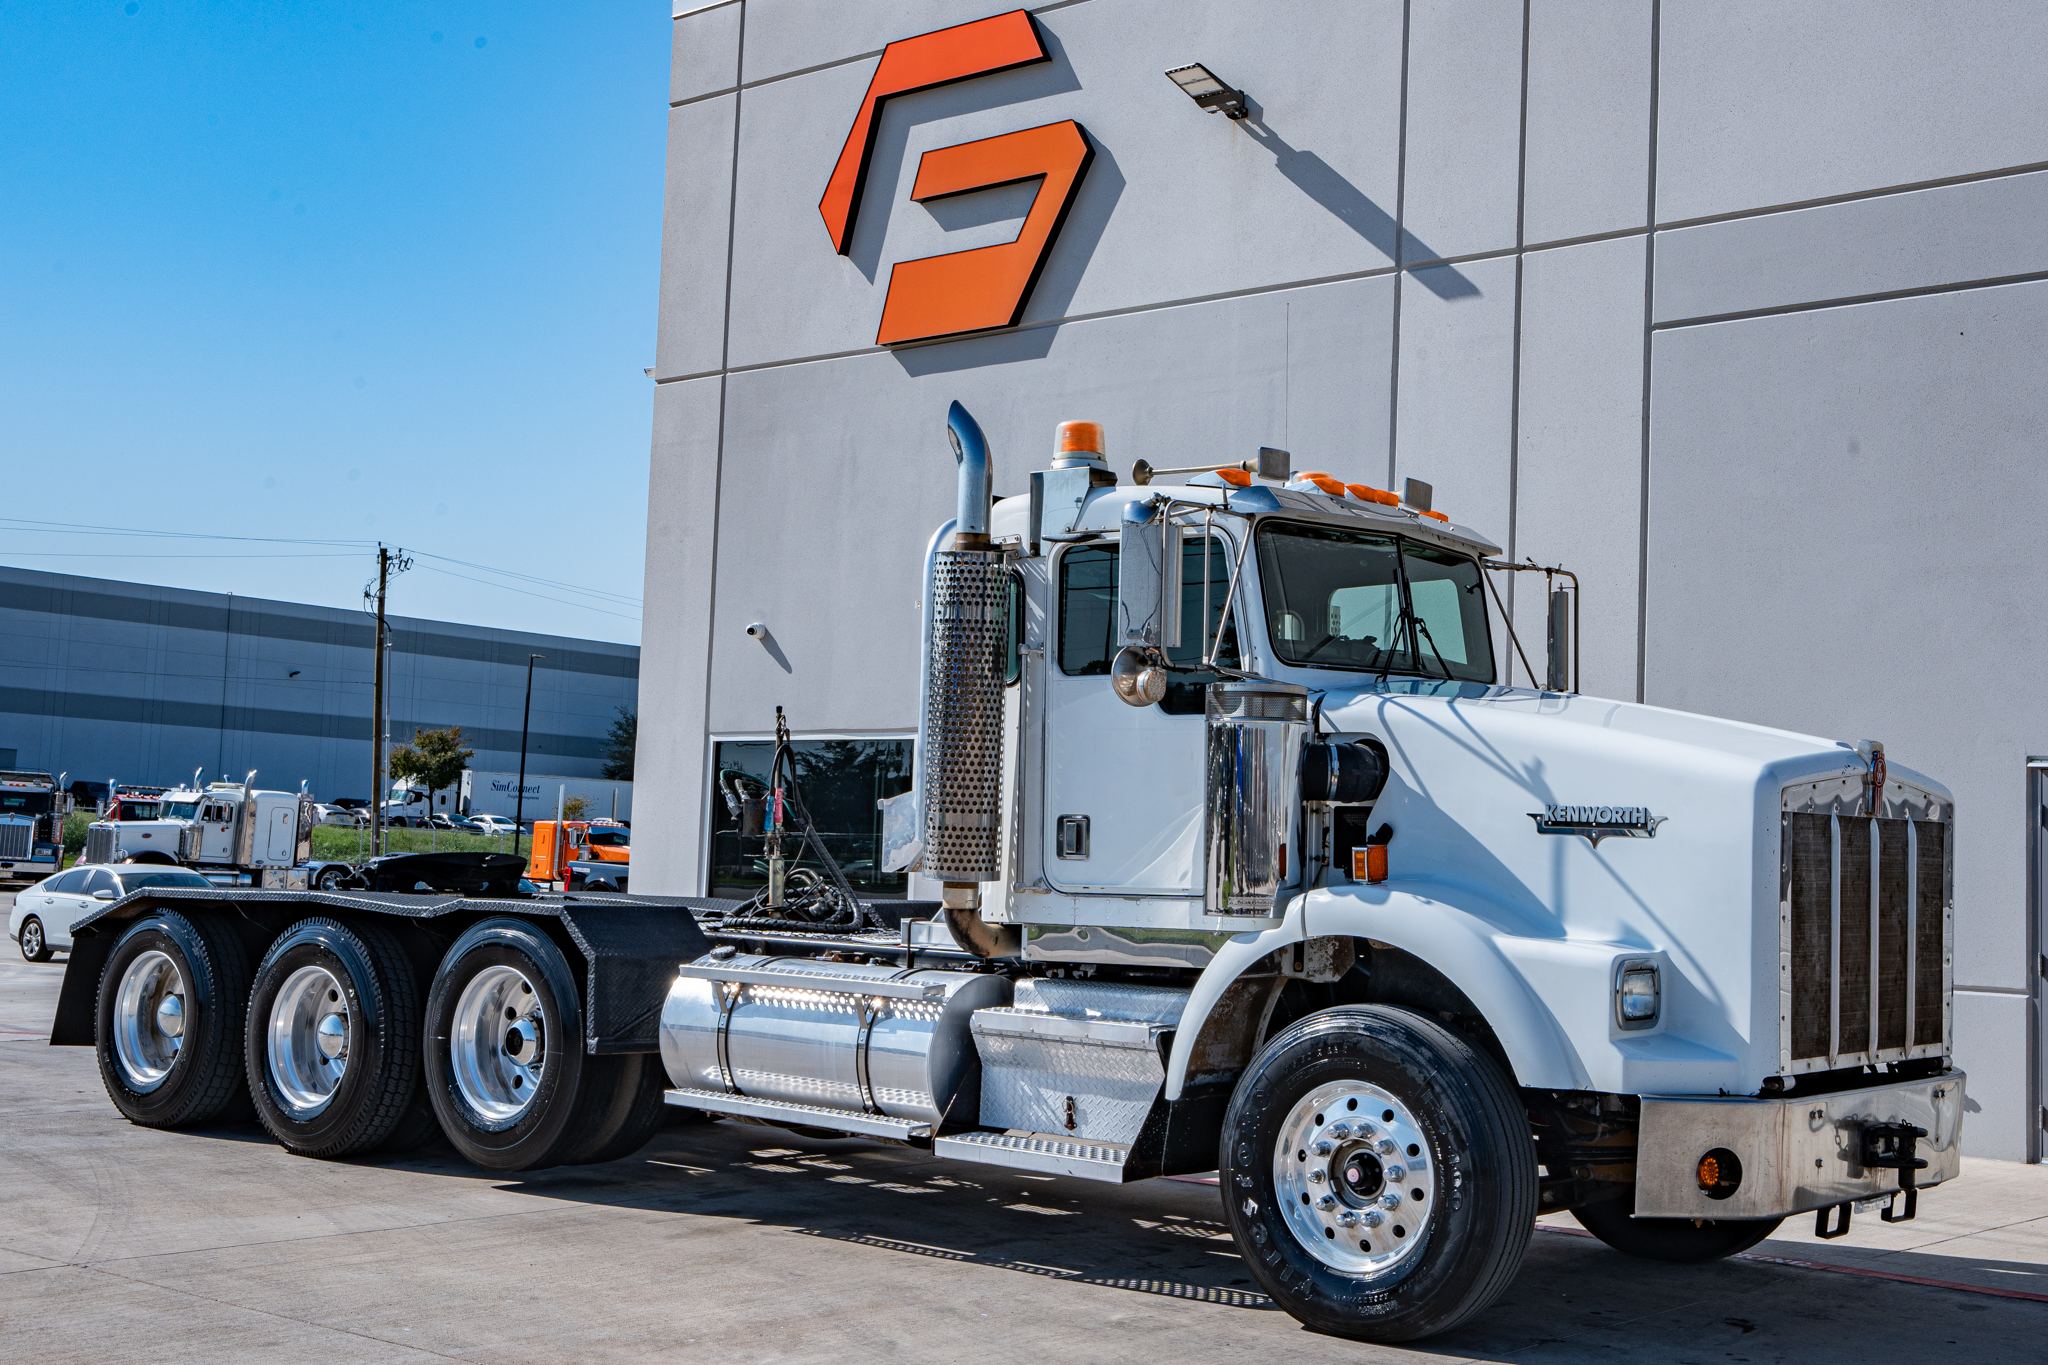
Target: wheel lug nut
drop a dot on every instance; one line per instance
(1323, 1147)
(1396, 1174)
(1372, 1218)
(1316, 1177)
(1390, 1200)
(1327, 1202)
(1348, 1219)
(1340, 1130)
(1387, 1147)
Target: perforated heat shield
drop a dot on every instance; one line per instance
(963, 700)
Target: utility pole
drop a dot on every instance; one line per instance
(519, 796)
(388, 563)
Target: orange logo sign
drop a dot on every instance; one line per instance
(962, 291)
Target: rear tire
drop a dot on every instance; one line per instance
(506, 1068)
(330, 879)
(332, 1045)
(168, 1035)
(34, 947)
(1378, 1174)
(1682, 1241)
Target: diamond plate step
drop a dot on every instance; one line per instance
(804, 1115)
(1041, 1152)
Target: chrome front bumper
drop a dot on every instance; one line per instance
(1797, 1153)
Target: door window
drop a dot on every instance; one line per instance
(100, 880)
(1087, 628)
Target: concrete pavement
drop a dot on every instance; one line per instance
(724, 1242)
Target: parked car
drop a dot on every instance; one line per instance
(492, 824)
(346, 816)
(44, 913)
(350, 803)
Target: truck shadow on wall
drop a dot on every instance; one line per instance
(1165, 1238)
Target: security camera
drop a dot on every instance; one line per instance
(757, 631)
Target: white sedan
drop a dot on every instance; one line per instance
(44, 913)
(492, 824)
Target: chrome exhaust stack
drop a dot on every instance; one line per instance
(963, 702)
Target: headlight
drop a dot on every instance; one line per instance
(1636, 996)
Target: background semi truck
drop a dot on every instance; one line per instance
(32, 810)
(1246, 861)
(230, 830)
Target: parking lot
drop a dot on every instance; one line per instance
(730, 1242)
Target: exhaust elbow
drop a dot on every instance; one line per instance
(970, 450)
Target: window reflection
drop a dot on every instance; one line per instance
(841, 780)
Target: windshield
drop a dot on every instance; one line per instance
(1345, 599)
(609, 838)
(135, 881)
(181, 810)
(138, 810)
(24, 803)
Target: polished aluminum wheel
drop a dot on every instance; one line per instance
(498, 1045)
(1355, 1177)
(306, 1041)
(32, 941)
(149, 1020)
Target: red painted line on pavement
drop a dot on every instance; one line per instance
(1798, 1264)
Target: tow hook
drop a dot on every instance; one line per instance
(1885, 1147)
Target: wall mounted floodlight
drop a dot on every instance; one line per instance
(1207, 89)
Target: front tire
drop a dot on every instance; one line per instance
(332, 1046)
(1682, 1241)
(506, 1068)
(34, 946)
(1378, 1174)
(330, 879)
(168, 1031)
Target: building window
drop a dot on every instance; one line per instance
(841, 780)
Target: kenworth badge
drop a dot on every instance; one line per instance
(1598, 822)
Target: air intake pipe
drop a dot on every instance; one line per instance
(963, 702)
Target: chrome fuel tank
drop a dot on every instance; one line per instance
(828, 1037)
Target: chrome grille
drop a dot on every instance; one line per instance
(15, 838)
(1866, 926)
(99, 844)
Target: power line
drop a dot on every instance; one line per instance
(528, 592)
(39, 527)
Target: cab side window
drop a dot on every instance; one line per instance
(1087, 626)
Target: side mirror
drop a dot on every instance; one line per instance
(1148, 579)
(104, 895)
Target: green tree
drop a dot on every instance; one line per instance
(435, 758)
(576, 808)
(619, 742)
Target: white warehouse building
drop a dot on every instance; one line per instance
(1736, 309)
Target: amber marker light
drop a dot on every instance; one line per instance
(1367, 494)
(1082, 436)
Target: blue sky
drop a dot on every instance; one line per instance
(334, 272)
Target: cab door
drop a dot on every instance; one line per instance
(1124, 784)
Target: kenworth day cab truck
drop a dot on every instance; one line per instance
(1249, 864)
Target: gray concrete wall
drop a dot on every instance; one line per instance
(143, 684)
(1735, 307)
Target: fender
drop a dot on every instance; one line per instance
(1518, 982)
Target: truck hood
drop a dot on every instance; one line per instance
(1667, 840)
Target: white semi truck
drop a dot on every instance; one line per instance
(229, 829)
(1248, 862)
